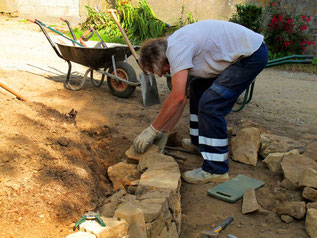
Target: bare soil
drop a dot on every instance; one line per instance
(53, 167)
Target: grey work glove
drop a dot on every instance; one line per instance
(161, 140)
(146, 138)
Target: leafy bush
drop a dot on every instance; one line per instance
(285, 33)
(140, 23)
(248, 15)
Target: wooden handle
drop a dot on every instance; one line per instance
(86, 33)
(112, 12)
(11, 91)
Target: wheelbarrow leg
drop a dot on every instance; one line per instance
(67, 81)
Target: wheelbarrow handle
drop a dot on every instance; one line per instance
(69, 27)
(112, 13)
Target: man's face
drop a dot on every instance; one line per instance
(165, 70)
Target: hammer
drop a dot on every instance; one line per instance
(215, 232)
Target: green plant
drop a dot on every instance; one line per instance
(248, 15)
(140, 22)
(286, 33)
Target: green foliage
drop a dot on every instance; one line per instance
(248, 15)
(140, 22)
(286, 33)
(276, 55)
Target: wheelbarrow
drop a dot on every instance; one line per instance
(111, 62)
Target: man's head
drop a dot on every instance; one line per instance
(152, 57)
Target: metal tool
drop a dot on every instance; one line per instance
(182, 150)
(231, 236)
(89, 216)
(148, 82)
(215, 232)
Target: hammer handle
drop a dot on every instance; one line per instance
(223, 225)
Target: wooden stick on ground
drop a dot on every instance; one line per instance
(11, 91)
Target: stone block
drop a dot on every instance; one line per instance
(135, 218)
(308, 178)
(293, 167)
(160, 179)
(245, 146)
(273, 161)
(311, 223)
(114, 228)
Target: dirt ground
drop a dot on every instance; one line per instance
(53, 166)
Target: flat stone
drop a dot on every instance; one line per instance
(160, 179)
(81, 234)
(311, 222)
(131, 154)
(113, 229)
(155, 160)
(310, 194)
(245, 146)
(249, 203)
(293, 209)
(308, 178)
(135, 218)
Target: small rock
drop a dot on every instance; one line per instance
(63, 141)
(311, 205)
(294, 209)
(310, 194)
(287, 219)
(250, 203)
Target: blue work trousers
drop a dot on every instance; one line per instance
(212, 99)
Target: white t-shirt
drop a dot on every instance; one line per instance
(208, 47)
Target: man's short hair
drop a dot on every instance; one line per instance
(152, 55)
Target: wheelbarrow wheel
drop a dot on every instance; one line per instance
(117, 87)
(99, 79)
